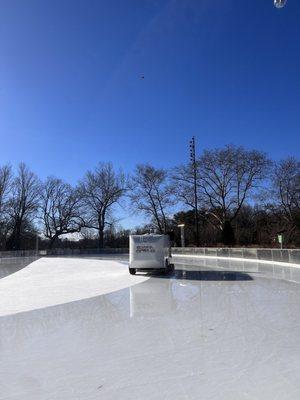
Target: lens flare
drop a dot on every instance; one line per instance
(279, 3)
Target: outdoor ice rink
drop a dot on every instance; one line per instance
(84, 329)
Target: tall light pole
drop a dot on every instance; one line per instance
(194, 168)
(181, 226)
(37, 244)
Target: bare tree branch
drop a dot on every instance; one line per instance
(150, 193)
(100, 190)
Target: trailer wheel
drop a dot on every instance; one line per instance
(132, 271)
(168, 267)
(171, 268)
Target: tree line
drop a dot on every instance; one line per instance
(244, 198)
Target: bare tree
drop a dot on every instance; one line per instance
(182, 178)
(100, 190)
(61, 209)
(5, 186)
(151, 194)
(227, 178)
(23, 203)
(286, 188)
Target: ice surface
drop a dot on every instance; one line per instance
(10, 265)
(201, 333)
(50, 281)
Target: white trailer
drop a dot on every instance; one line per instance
(149, 252)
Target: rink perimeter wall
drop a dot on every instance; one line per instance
(290, 257)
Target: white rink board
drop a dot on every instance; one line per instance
(200, 333)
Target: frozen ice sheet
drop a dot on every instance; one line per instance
(50, 281)
(10, 265)
(200, 333)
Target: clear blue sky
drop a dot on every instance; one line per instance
(71, 93)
